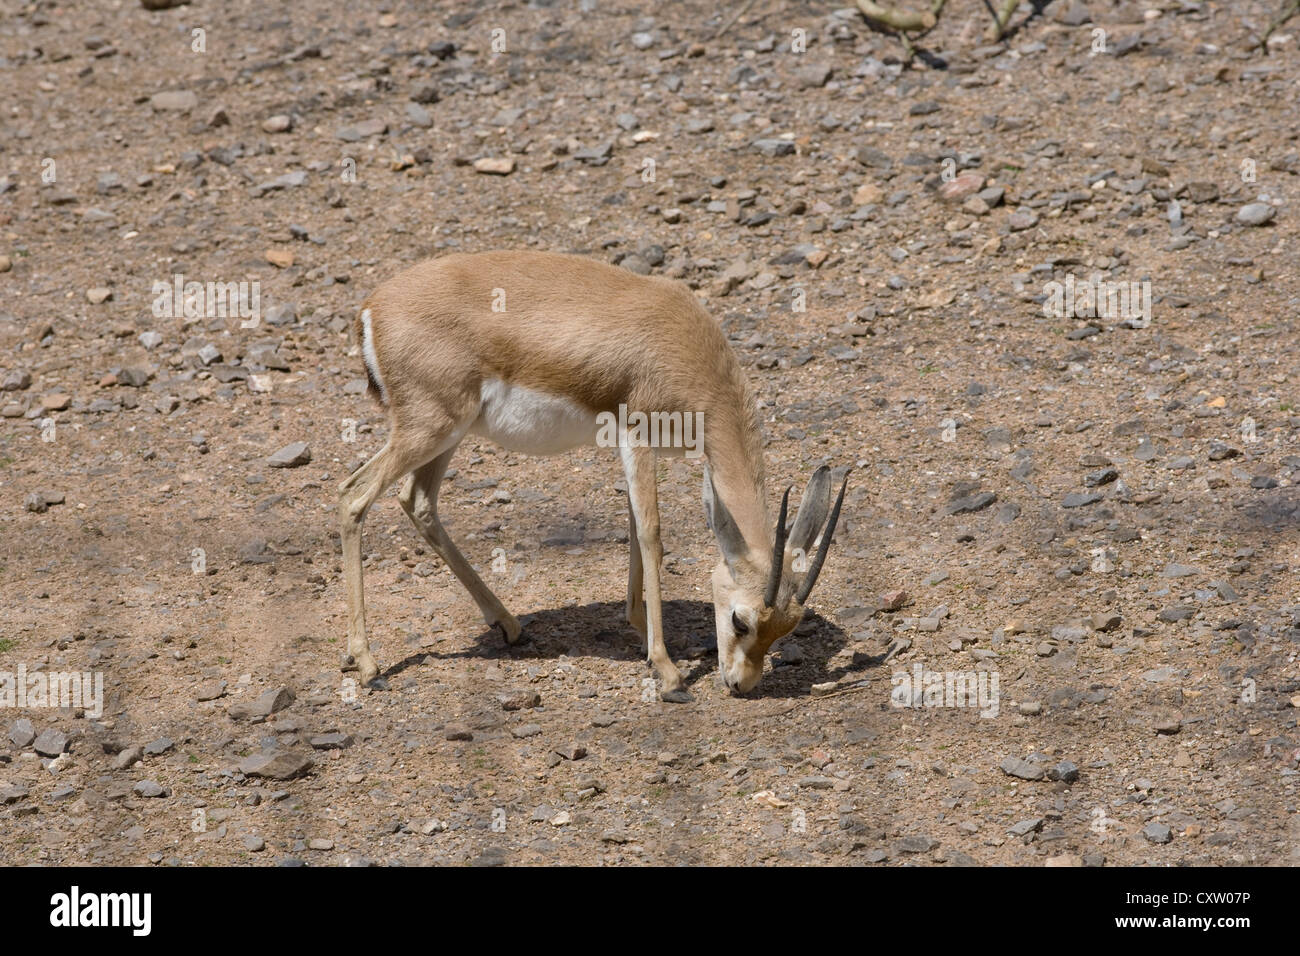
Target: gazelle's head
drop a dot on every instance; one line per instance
(759, 598)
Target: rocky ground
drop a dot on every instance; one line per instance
(1102, 514)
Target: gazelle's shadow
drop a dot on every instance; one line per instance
(600, 629)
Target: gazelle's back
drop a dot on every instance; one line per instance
(557, 323)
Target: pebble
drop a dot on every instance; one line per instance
(276, 765)
(455, 731)
(127, 758)
(149, 789)
(1256, 214)
(495, 166)
(22, 733)
(1023, 769)
(50, 743)
(174, 100)
(1157, 833)
(292, 455)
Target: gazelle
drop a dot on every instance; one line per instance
(529, 349)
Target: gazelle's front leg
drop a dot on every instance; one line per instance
(639, 466)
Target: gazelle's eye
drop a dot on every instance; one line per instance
(739, 626)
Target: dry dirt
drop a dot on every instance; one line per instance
(1148, 637)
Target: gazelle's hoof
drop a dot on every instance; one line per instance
(679, 696)
(365, 667)
(510, 629)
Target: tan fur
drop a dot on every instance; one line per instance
(595, 334)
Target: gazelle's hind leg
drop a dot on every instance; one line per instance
(635, 582)
(419, 498)
(405, 450)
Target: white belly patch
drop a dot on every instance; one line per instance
(532, 422)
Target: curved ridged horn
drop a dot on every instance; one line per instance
(815, 568)
(778, 553)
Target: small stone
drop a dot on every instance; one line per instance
(1256, 214)
(211, 690)
(279, 123)
(22, 733)
(495, 165)
(526, 730)
(277, 765)
(127, 758)
(291, 456)
(174, 100)
(1021, 220)
(16, 380)
(893, 600)
(968, 504)
(1065, 772)
(50, 743)
(456, 731)
(334, 741)
(774, 147)
(960, 187)
(159, 746)
(1081, 499)
(1023, 769)
(1167, 725)
(253, 844)
(915, 843)
(1157, 833)
(520, 700)
(149, 789)
(1105, 621)
(1025, 827)
(280, 258)
(98, 295)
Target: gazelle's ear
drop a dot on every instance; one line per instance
(813, 508)
(730, 541)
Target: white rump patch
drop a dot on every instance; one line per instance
(368, 355)
(531, 422)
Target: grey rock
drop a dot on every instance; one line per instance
(50, 743)
(1024, 827)
(128, 757)
(1081, 499)
(915, 843)
(174, 100)
(22, 733)
(149, 789)
(291, 456)
(970, 503)
(1023, 769)
(1256, 214)
(774, 147)
(1157, 833)
(1065, 771)
(276, 765)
